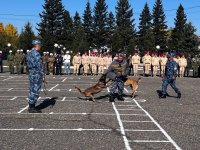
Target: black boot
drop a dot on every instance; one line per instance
(33, 109)
(120, 98)
(163, 96)
(179, 95)
(111, 98)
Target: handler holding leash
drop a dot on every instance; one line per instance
(118, 72)
(36, 75)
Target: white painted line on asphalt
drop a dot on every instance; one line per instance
(34, 129)
(70, 90)
(132, 130)
(64, 79)
(30, 129)
(19, 112)
(121, 128)
(126, 105)
(148, 141)
(158, 125)
(108, 89)
(53, 87)
(12, 99)
(10, 89)
(63, 99)
(135, 121)
(8, 78)
(130, 109)
(126, 90)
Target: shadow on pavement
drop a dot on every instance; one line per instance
(47, 102)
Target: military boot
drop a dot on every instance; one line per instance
(179, 95)
(33, 109)
(111, 98)
(163, 96)
(120, 98)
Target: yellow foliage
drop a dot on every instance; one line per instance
(1, 27)
(10, 30)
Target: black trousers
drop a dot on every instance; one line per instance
(58, 69)
(1, 66)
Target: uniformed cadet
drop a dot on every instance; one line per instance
(170, 76)
(85, 63)
(182, 65)
(108, 60)
(93, 63)
(67, 64)
(51, 62)
(177, 60)
(155, 64)
(17, 61)
(135, 62)
(147, 63)
(45, 62)
(163, 62)
(189, 65)
(101, 64)
(36, 76)
(76, 63)
(1, 61)
(25, 60)
(10, 60)
(22, 61)
(195, 65)
(59, 63)
(117, 72)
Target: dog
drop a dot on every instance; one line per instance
(133, 84)
(89, 92)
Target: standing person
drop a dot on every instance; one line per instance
(85, 63)
(51, 62)
(93, 64)
(66, 61)
(108, 60)
(1, 61)
(76, 62)
(36, 76)
(135, 63)
(59, 62)
(45, 62)
(182, 65)
(25, 60)
(117, 72)
(170, 76)
(189, 65)
(10, 60)
(147, 63)
(22, 57)
(163, 62)
(17, 61)
(101, 64)
(155, 64)
(195, 65)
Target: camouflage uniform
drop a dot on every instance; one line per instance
(51, 61)
(195, 65)
(10, 60)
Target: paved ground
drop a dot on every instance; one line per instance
(69, 121)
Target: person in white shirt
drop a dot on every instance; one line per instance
(66, 60)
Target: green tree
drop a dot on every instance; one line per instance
(145, 34)
(159, 24)
(50, 27)
(100, 23)
(88, 24)
(111, 29)
(178, 31)
(125, 30)
(26, 37)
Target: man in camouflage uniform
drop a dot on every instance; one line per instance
(189, 65)
(1, 61)
(51, 62)
(10, 60)
(17, 61)
(118, 71)
(45, 62)
(170, 76)
(195, 65)
(36, 76)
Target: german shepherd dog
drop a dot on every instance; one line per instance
(133, 84)
(89, 92)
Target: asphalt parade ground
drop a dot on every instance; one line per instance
(69, 121)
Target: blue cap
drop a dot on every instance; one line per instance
(171, 54)
(36, 42)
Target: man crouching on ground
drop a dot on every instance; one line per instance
(36, 75)
(117, 72)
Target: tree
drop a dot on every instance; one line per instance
(1, 27)
(125, 31)
(26, 37)
(100, 23)
(159, 24)
(145, 34)
(2, 36)
(178, 31)
(190, 44)
(111, 28)
(87, 24)
(77, 22)
(67, 31)
(50, 27)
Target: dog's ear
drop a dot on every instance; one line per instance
(103, 78)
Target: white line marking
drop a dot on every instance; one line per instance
(8, 78)
(149, 141)
(79, 129)
(70, 90)
(64, 79)
(158, 125)
(53, 87)
(135, 121)
(10, 89)
(126, 90)
(108, 89)
(30, 129)
(131, 109)
(63, 99)
(126, 105)
(121, 128)
(23, 109)
(12, 99)
(132, 130)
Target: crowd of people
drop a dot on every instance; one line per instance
(95, 63)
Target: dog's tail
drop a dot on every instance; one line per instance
(79, 89)
(139, 79)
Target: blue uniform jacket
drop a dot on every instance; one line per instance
(171, 69)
